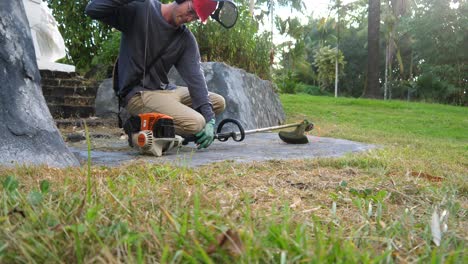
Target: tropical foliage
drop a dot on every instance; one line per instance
(93, 44)
(325, 59)
(242, 46)
(83, 37)
(421, 54)
(422, 46)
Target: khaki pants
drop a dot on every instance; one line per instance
(177, 104)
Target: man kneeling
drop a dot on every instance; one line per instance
(154, 38)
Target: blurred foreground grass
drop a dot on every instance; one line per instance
(382, 206)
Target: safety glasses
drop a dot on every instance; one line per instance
(191, 11)
(226, 14)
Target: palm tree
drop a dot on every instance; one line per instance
(397, 9)
(338, 4)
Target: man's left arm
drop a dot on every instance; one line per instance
(189, 68)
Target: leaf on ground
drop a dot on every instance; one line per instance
(230, 241)
(16, 215)
(299, 185)
(435, 228)
(426, 176)
(10, 184)
(443, 220)
(296, 202)
(17, 211)
(57, 228)
(35, 198)
(45, 186)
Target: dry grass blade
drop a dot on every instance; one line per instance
(230, 241)
(80, 209)
(427, 176)
(117, 200)
(170, 218)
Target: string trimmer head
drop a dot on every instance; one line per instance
(298, 135)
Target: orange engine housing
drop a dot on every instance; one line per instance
(149, 119)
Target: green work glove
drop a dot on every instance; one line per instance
(206, 136)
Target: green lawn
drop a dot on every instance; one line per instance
(373, 207)
(431, 137)
(376, 118)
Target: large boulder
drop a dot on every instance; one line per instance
(106, 103)
(28, 132)
(249, 99)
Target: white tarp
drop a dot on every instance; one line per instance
(48, 42)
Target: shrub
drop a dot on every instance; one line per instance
(310, 89)
(287, 83)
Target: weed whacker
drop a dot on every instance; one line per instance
(292, 137)
(154, 133)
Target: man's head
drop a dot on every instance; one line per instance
(191, 10)
(186, 11)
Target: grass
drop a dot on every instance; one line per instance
(436, 134)
(373, 207)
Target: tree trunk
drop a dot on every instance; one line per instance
(28, 132)
(337, 49)
(373, 85)
(410, 79)
(336, 75)
(387, 61)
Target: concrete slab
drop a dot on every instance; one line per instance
(255, 147)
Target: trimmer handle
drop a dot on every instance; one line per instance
(223, 137)
(226, 135)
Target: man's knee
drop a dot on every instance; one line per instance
(192, 126)
(219, 103)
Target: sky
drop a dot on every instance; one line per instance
(316, 8)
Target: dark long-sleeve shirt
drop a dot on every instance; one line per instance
(140, 22)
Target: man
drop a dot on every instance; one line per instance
(154, 38)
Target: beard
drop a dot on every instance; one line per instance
(177, 18)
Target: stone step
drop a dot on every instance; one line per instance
(69, 91)
(71, 100)
(47, 74)
(67, 111)
(90, 122)
(66, 82)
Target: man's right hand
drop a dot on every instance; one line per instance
(206, 136)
